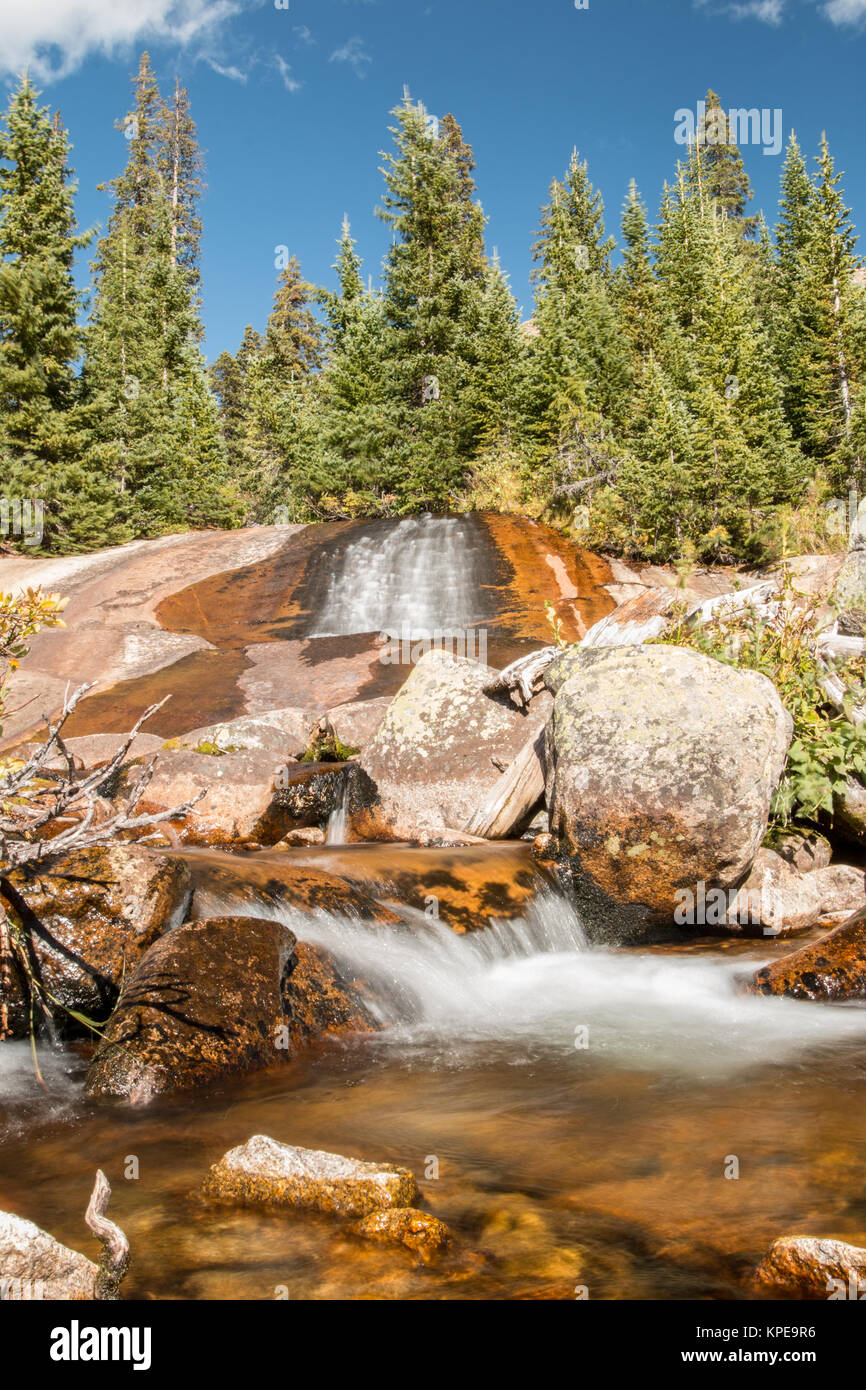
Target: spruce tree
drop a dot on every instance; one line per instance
(41, 428)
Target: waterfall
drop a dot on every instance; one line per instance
(418, 576)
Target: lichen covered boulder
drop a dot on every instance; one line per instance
(442, 745)
(661, 768)
(263, 1172)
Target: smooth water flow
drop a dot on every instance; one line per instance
(417, 576)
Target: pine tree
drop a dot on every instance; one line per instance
(41, 435)
(718, 172)
(636, 288)
(154, 417)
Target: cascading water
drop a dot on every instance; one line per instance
(417, 576)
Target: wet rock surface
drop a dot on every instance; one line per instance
(100, 909)
(833, 968)
(205, 1001)
(417, 1230)
(263, 1172)
(806, 1268)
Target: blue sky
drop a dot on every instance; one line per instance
(293, 106)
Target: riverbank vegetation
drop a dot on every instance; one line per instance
(698, 387)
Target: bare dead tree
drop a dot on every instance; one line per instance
(36, 797)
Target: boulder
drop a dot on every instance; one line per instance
(101, 909)
(319, 1002)
(804, 848)
(661, 766)
(417, 1230)
(285, 733)
(802, 1267)
(308, 793)
(91, 751)
(833, 968)
(33, 1265)
(206, 1000)
(355, 724)
(775, 898)
(240, 804)
(843, 891)
(441, 747)
(263, 1172)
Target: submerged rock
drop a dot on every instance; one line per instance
(418, 1230)
(33, 1265)
(833, 968)
(802, 1267)
(442, 745)
(263, 1172)
(205, 1001)
(101, 909)
(661, 768)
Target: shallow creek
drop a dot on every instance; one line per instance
(559, 1165)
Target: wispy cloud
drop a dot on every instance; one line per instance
(355, 54)
(304, 35)
(839, 12)
(54, 37)
(229, 70)
(290, 82)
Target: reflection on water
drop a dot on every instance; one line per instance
(578, 1105)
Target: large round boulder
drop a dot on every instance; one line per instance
(662, 764)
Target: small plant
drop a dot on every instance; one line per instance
(327, 748)
(555, 625)
(829, 745)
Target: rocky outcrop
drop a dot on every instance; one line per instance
(420, 1232)
(33, 1265)
(833, 968)
(244, 884)
(100, 910)
(849, 812)
(802, 1267)
(283, 733)
(442, 745)
(263, 1172)
(308, 793)
(205, 1001)
(661, 768)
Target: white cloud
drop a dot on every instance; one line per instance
(839, 12)
(290, 83)
(355, 54)
(53, 37)
(846, 11)
(304, 35)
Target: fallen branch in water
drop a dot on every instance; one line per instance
(114, 1261)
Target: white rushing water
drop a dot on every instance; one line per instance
(535, 983)
(417, 576)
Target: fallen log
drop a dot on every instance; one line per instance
(515, 796)
(524, 676)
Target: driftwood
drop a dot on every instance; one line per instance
(515, 795)
(35, 799)
(114, 1260)
(524, 677)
